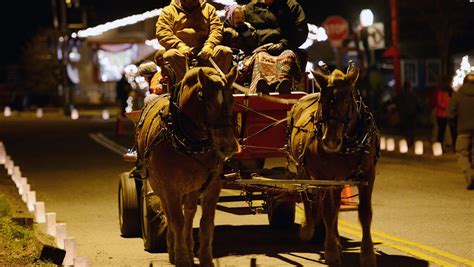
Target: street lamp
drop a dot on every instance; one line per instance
(366, 18)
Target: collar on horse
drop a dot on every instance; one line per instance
(359, 142)
(171, 130)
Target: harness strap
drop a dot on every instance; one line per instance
(244, 116)
(256, 112)
(265, 128)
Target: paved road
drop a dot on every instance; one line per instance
(423, 216)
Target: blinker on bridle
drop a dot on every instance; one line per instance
(226, 119)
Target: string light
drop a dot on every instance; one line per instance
(154, 43)
(315, 33)
(97, 30)
(464, 69)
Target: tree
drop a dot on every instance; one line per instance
(40, 68)
(441, 21)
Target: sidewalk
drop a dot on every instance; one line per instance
(58, 113)
(423, 134)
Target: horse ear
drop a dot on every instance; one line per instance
(232, 76)
(352, 76)
(202, 78)
(321, 79)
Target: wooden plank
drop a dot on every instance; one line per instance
(278, 183)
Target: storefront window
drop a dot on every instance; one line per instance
(112, 59)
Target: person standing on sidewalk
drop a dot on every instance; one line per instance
(461, 109)
(409, 107)
(123, 90)
(442, 99)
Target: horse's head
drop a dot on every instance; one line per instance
(337, 105)
(208, 102)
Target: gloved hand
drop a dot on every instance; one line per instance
(229, 33)
(275, 49)
(205, 53)
(184, 49)
(242, 27)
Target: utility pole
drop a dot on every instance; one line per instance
(64, 59)
(395, 51)
(54, 11)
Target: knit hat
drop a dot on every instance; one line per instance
(229, 13)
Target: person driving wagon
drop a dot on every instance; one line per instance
(188, 29)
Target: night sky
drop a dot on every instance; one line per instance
(21, 19)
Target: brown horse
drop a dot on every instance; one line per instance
(334, 137)
(182, 143)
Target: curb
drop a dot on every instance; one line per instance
(57, 247)
(20, 215)
(55, 113)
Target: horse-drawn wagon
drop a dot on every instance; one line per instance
(264, 125)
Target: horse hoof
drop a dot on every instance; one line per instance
(206, 261)
(332, 259)
(368, 261)
(208, 264)
(306, 233)
(172, 259)
(184, 264)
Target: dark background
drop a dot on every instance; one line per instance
(21, 19)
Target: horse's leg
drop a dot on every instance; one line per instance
(206, 227)
(169, 233)
(176, 226)
(307, 227)
(313, 218)
(337, 206)
(190, 208)
(170, 244)
(367, 255)
(331, 247)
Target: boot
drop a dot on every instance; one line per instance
(470, 182)
(284, 87)
(263, 87)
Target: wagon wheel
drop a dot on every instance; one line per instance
(129, 212)
(281, 214)
(153, 221)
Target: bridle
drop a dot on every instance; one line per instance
(225, 120)
(326, 114)
(192, 141)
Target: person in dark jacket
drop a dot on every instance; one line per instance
(461, 109)
(281, 23)
(408, 107)
(281, 29)
(238, 34)
(123, 90)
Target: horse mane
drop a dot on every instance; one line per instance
(191, 78)
(338, 79)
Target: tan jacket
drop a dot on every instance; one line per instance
(176, 27)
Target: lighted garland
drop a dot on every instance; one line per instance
(464, 69)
